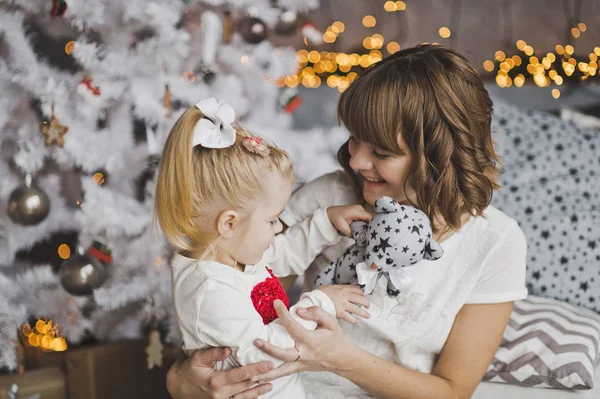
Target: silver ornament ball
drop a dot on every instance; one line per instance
(28, 205)
(81, 274)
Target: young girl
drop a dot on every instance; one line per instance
(219, 194)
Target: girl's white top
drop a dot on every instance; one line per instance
(214, 307)
(484, 262)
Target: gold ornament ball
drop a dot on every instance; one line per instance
(81, 274)
(28, 205)
(253, 30)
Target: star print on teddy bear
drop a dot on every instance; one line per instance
(397, 237)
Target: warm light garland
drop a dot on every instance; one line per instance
(392, 6)
(337, 69)
(44, 335)
(552, 68)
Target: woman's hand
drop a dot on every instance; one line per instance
(325, 348)
(347, 299)
(342, 216)
(194, 377)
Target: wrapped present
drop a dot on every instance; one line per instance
(116, 370)
(46, 383)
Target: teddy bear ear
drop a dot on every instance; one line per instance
(386, 205)
(359, 232)
(433, 250)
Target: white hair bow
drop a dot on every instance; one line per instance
(216, 131)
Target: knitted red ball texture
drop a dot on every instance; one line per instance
(264, 294)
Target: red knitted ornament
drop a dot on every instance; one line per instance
(263, 295)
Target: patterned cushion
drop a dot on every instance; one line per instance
(579, 118)
(551, 188)
(548, 344)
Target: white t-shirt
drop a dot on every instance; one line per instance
(214, 306)
(483, 262)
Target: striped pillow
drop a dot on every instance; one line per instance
(548, 344)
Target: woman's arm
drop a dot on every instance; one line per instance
(470, 348)
(195, 378)
(325, 191)
(473, 340)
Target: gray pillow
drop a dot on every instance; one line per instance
(548, 344)
(551, 188)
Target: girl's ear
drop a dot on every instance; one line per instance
(226, 221)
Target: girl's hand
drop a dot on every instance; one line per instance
(325, 348)
(342, 216)
(346, 299)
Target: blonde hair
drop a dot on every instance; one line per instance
(195, 184)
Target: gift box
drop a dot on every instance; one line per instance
(48, 383)
(116, 370)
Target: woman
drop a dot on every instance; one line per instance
(420, 133)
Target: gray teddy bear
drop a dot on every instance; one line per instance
(398, 236)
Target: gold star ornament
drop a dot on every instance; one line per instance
(54, 131)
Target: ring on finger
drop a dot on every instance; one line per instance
(298, 351)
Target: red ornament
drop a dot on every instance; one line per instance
(292, 104)
(264, 294)
(100, 252)
(87, 82)
(289, 99)
(59, 7)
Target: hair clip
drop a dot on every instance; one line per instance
(255, 145)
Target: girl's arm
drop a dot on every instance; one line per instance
(288, 281)
(473, 340)
(293, 251)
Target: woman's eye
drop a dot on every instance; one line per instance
(273, 222)
(380, 156)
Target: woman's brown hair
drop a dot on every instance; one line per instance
(433, 101)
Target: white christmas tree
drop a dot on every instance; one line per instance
(133, 66)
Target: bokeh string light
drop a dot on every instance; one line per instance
(339, 69)
(545, 69)
(335, 69)
(559, 67)
(392, 6)
(45, 335)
